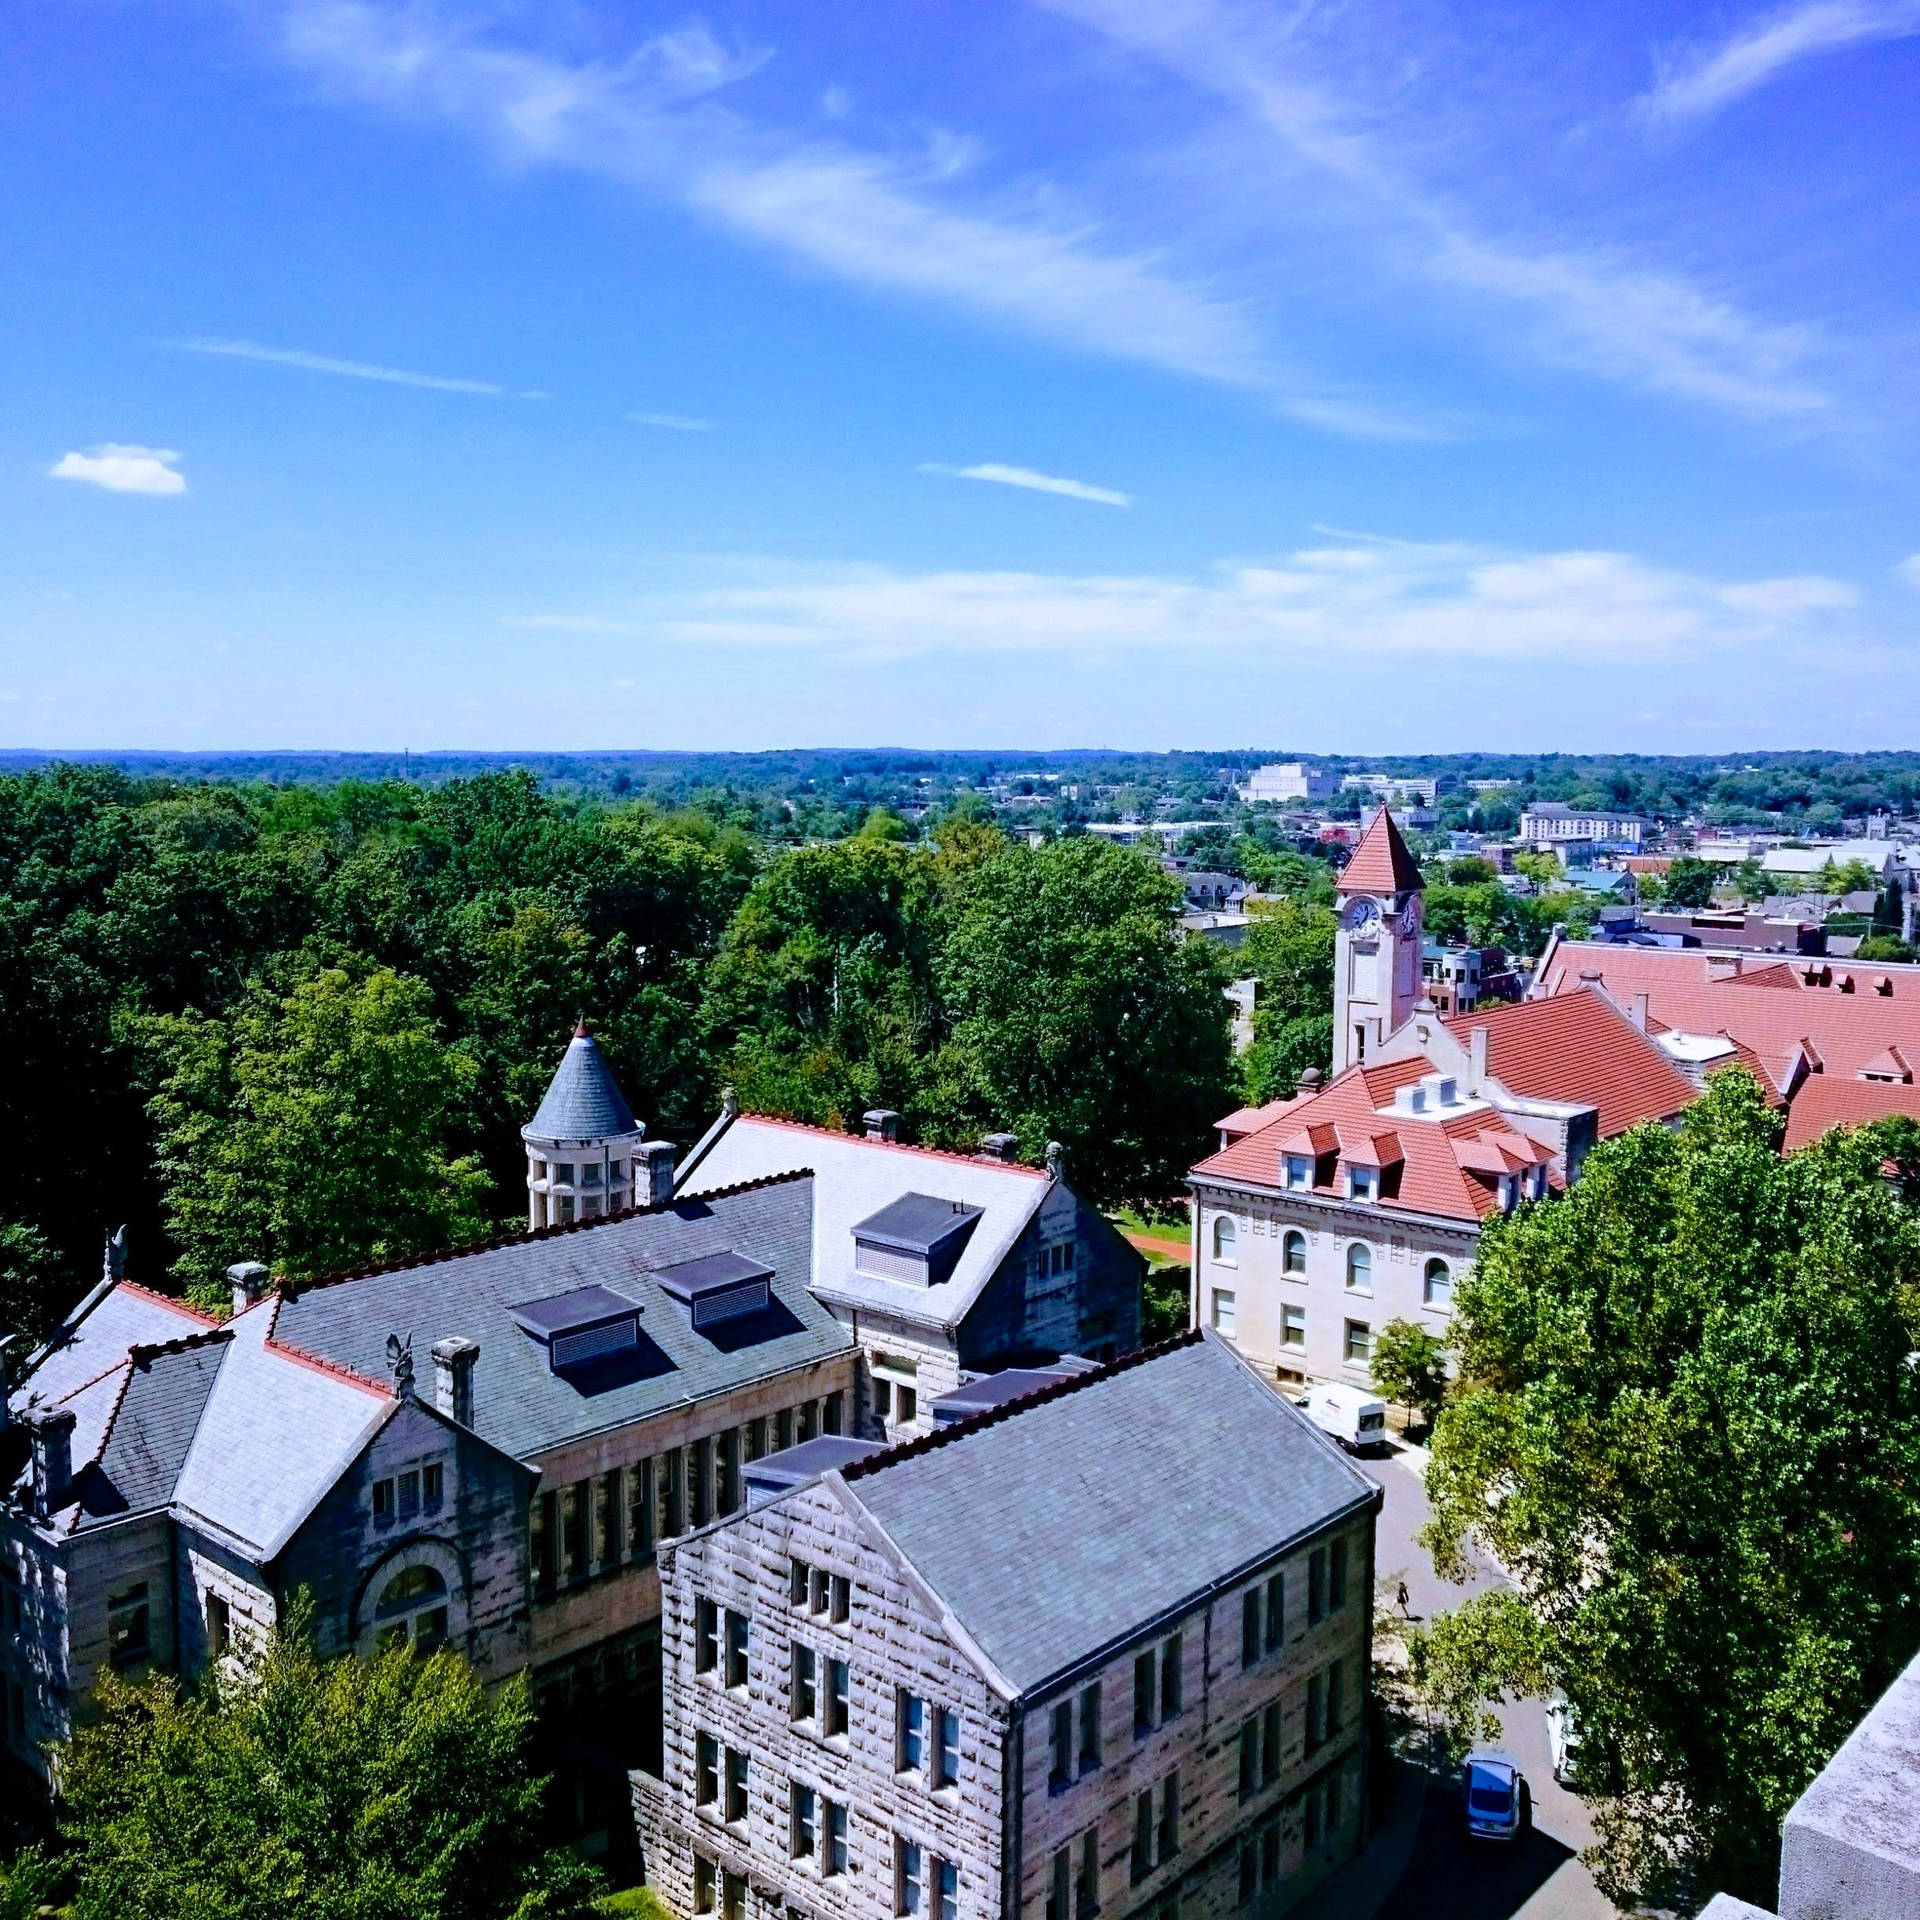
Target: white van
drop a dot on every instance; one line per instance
(1353, 1416)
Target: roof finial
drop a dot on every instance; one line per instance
(115, 1264)
(400, 1359)
(580, 1027)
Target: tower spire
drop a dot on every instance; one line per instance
(1376, 983)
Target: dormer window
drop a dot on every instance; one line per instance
(581, 1326)
(917, 1239)
(1363, 1183)
(1537, 1183)
(1299, 1173)
(717, 1288)
(1509, 1191)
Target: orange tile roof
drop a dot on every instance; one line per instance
(1579, 1048)
(1837, 1031)
(1382, 862)
(1824, 1102)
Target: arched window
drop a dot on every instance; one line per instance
(1226, 1238)
(1293, 1252)
(412, 1610)
(1437, 1286)
(1359, 1267)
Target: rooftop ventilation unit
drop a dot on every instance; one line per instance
(717, 1287)
(587, 1324)
(917, 1239)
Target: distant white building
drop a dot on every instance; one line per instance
(1549, 824)
(1396, 789)
(1284, 781)
(1880, 857)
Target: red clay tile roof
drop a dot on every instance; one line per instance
(1432, 1177)
(1825, 1102)
(1842, 1031)
(1580, 1048)
(1381, 863)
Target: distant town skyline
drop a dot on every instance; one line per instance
(1141, 372)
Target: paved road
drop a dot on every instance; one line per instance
(1446, 1878)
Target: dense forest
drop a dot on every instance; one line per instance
(305, 1023)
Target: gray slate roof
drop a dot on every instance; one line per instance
(523, 1407)
(146, 1448)
(583, 1100)
(1062, 1528)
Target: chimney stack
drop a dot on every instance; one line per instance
(50, 1433)
(1637, 1011)
(882, 1123)
(250, 1281)
(654, 1185)
(453, 1377)
(1477, 1063)
(1004, 1147)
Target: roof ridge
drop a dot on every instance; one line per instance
(143, 1352)
(93, 1380)
(292, 1289)
(898, 1146)
(946, 1435)
(170, 1300)
(301, 1357)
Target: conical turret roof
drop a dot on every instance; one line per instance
(583, 1100)
(1382, 862)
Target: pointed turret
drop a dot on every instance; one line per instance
(1377, 955)
(580, 1144)
(1382, 863)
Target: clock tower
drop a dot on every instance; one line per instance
(1376, 957)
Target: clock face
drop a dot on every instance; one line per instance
(1363, 913)
(1410, 918)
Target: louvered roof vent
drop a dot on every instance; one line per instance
(588, 1323)
(917, 1238)
(717, 1287)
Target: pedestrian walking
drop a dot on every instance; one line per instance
(1400, 1600)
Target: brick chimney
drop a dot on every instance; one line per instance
(653, 1181)
(453, 1377)
(1004, 1147)
(1637, 1011)
(882, 1123)
(50, 1433)
(250, 1280)
(1477, 1062)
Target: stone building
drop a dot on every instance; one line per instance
(940, 1264)
(1103, 1647)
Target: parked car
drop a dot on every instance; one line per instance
(1356, 1419)
(1493, 1796)
(1563, 1737)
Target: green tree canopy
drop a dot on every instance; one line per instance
(1689, 883)
(1289, 951)
(1410, 1367)
(311, 1131)
(1686, 1422)
(385, 1789)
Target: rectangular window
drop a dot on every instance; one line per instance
(1143, 1694)
(756, 1439)
(838, 1698)
(1142, 1860)
(432, 1486)
(1060, 1773)
(836, 1858)
(409, 1490)
(1299, 1172)
(1362, 1182)
(906, 1405)
(736, 1649)
(842, 1597)
(1316, 1710)
(1086, 1897)
(706, 1770)
(883, 1399)
(672, 1509)
(783, 1429)
(706, 1636)
(218, 1619)
(804, 1700)
(700, 1483)
(1293, 1328)
(1333, 1801)
(808, 1423)
(910, 1732)
(733, 1896)
(819, 1588)
(640, 1511)
(1249, 1759)
(1316, 1586)
(736, 1784)
(1250, 1627)
(1310, 1819)
(383, 1499)
(1225, 1313)
(129, 1638)
(705, 1884)
(606, 1521)
(1169, 1817)
(728, 1496)
(1333, 1699)
(1059, 1883)
(946, 1890)
(831, 1414)
(1276, 1611)
(1359, 1342)
(1270, 1744)
(573, 1532)
(803, 1834)
(1170, 1677)
(1090, 1727)
(946, 1747)
(798, 1574)
(909, 1889)
(1336, 1575)
(540, 1530)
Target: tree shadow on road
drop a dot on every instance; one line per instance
(1453, 1878)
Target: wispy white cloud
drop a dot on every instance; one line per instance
(349, 369)
(1006, 476)
(1590, 307)
(674, 422)
(124, 469)
(1402, 602)
(1694, 85)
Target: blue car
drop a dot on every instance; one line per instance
(1493, 1794)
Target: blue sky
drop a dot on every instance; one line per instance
(1367, 376)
